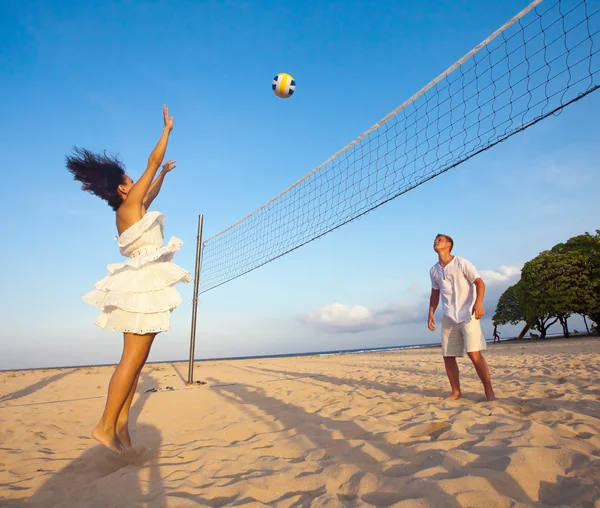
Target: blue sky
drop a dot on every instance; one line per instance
(96, 75)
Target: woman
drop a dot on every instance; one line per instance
(137, 296)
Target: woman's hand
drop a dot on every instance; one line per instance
(168, 121)
(168, 166)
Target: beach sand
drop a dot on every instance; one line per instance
(340, 430)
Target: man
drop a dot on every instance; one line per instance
(456, 280)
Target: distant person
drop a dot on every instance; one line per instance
(496, 334)
(457, 282)
(137, 296)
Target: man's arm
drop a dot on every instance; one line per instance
(434, 300)
(478, 307)
(471, 274)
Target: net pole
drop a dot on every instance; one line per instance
(190, 380)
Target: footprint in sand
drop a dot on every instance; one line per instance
(435, 429)
(515, 408)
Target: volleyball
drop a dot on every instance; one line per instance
(284, 85)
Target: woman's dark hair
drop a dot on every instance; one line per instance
(100, 174)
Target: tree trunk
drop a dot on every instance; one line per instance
(586, 325)
(540, 326)
(595, 317)
(565, 325)
(543, 326)
(523, 332)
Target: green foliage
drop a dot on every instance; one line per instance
(511, 306)
(554, 285)
(515, 305)
(588, 246)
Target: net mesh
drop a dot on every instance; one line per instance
(542, 62)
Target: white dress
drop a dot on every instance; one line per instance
(138, 296)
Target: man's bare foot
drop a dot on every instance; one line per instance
(123, 436)
(490, 395)
(454, 396)
(108, 439)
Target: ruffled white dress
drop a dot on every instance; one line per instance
(138, 296)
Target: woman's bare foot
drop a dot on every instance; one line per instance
(454, 396)
(490, 395)
(108, 439)
(123, 436)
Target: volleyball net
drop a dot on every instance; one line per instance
(533, 66)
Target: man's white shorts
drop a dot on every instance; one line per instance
(458, 337)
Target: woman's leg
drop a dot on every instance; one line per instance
(122, 383)
(123, 418)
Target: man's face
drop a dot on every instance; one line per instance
(440, 244)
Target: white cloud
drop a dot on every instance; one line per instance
(502, 275)
(342, 318)
(497, 281)
(412, 288)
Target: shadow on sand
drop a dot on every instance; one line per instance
(99, 477)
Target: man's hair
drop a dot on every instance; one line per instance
(447, 239)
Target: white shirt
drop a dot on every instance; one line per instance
(457, 291)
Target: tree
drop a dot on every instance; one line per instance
(584, 244)
(588, 246)
(514, 307)
(511, 306)
(559, 284)
(554, 285)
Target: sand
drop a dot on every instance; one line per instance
(340, 430)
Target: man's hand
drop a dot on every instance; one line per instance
(478, 307)
(478, 310)
(431, 323)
